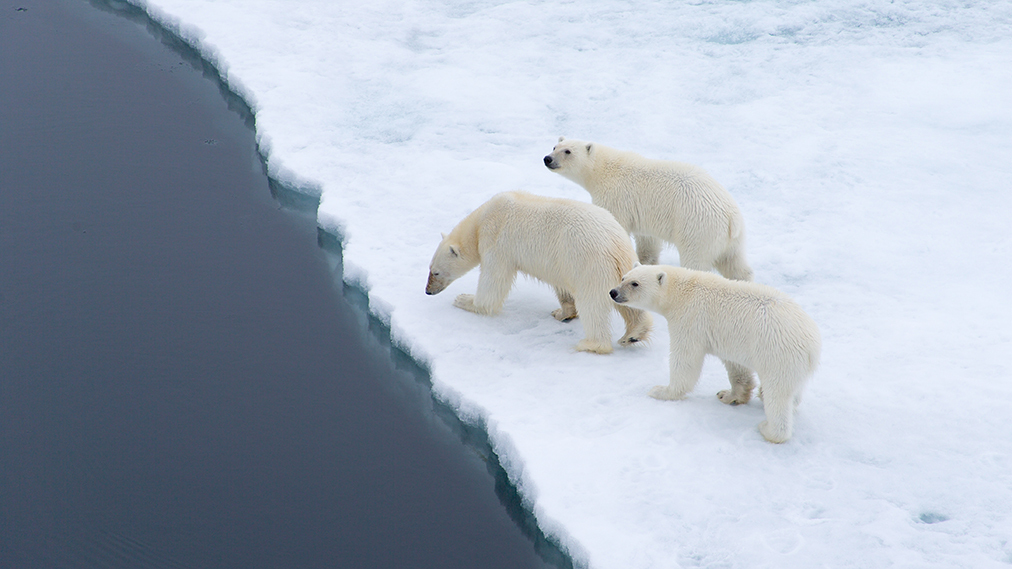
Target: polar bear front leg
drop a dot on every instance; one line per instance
(742, 383)
(494, 284)
(648, 249)
(685, 369)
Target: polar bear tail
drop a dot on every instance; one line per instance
(734, 228)
(815, 351)
(732, 263)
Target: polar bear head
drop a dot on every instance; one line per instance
(448, 264)
(642, 287)
(571, 158)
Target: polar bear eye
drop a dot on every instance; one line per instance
(568, 152)
(634, 284)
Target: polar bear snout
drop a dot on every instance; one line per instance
(548, 162)
(435, 285)
(616, 295)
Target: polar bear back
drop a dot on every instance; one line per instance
(566, 243)
(671, 200)
(748, 323)
(660, 201)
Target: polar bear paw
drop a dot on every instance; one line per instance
(727, 396)
(665, 393)
(466, 301)
(772, 434)
(565, 314)
(593, 347)
(629, 340)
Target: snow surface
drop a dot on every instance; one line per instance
(869, 146)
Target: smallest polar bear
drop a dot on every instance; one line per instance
(660, 200)
(576, 247)
(747, 325)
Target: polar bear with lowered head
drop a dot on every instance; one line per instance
(747, 325)
(660, 200)
(577, 248)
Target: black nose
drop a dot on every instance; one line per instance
(613, 293)
(548, 160)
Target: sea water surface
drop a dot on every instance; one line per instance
(184, 380)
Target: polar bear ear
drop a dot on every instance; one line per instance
(453, 251)
(561, 138)
(588, 148)
(661, 276)
(442, 236)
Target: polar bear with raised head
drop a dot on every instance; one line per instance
(660, 200)
(576, 247)
(747, 325)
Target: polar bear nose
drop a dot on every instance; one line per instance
(614, 293)
(548, 160)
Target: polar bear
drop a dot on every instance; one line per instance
(660, 200)
(577, 248)
(747, 325)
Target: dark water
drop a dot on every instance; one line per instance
(183, 381)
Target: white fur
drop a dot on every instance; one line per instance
(660, 200)
(747, 325)
(576, 247)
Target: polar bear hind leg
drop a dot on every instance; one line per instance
(637, 325)
(595, 313)
(732, 264)
(567, 311)
(779, 400)
(797, 396)
(648, 249)
(695, 260)
(742, 383)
